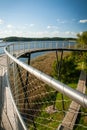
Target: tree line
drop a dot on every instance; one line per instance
(12, 39)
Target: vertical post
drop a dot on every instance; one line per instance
(15, 82)
(58, 74)
(27, 75)
(69, 45)
(59, 63)
(24, 47)
(28, 46)
(63, 44)
(27, 78)
(19, 48)
(25, 89)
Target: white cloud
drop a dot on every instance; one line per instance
(48, 27)
(83, 21)
(27, 33)
(52, 27)
(10, 26)
(51, 34)
(31, 25)
(66, 21)
(1, 21)
(69, 33)
(61, 21)
(39, 34)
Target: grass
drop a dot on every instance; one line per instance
(42, 119)
(54, 119)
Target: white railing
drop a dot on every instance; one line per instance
(34, 91)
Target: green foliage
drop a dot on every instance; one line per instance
(70, 68)
(82, 38)
(69, 71)
(80, 60)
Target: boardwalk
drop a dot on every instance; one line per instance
(6, 110)
(9, 119)
(71, 116)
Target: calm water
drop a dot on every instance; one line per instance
(2, 45)
(38, 44)
(35, 44)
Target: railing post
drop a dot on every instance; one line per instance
(63, 44)
(69, 45)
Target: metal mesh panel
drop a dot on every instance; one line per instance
(34, 99)
(39, 104)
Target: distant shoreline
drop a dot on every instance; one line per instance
(13, 39)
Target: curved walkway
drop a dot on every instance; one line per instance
(7, 120)
(71, 116)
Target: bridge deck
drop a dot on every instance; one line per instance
(25, 52)
(4, 120)
(71, 116)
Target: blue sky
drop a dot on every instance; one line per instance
(42, 18)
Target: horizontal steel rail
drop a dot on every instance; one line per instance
(62, 88)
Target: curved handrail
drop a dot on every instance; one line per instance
(64, 89)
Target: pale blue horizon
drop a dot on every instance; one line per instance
(42, 18)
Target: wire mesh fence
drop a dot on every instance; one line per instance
(35, 100)
(40, 105)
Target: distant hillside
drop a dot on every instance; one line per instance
(1, 38)
(12, 39)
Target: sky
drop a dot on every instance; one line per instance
(42, 18)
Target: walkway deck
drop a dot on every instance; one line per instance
(8, 115)
(71, 116)
(6, 108)
(8, 120)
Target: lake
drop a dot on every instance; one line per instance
(39, 44)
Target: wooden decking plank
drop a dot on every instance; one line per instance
(5, 123)
(71, 116)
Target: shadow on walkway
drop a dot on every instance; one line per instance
(4, 122)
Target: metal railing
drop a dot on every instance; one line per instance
(34, 91)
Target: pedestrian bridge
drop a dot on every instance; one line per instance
(32, 99)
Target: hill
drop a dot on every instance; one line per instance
(12, 39)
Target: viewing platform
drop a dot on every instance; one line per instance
(27, 92)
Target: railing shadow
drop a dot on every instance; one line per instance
(5, 123)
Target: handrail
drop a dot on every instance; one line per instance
(22, 122)
(64, 89)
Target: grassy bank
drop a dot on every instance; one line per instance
(45, 64)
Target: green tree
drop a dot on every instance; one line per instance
(82, 38)
(69, 71)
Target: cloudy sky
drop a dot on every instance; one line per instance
(42, 18)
